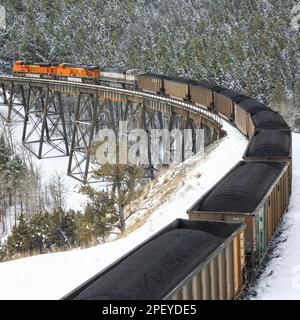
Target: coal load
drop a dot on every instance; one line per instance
(155, 269)
(242, 189)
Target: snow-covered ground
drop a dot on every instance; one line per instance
(53, 275)
(48, 167)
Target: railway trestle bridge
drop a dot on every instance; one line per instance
(65, 117)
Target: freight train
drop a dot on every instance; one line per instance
(214, 253)
(77, 72)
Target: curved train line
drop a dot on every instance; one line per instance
(76, 87)
(213, 255)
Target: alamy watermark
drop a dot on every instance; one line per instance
(144, 147)
(2, 18)
(296, 17)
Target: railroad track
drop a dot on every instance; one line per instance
(77, 87)
(252, 198)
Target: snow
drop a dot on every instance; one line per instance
(50, 166)
(51, 276)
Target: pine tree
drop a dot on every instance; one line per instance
(5, 153)
(20, 239)
(38, 225)
(123, 181)
(100, 215)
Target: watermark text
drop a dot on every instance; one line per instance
(145, 147)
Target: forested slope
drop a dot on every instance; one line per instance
(241, 44)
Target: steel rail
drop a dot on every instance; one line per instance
(187, 106)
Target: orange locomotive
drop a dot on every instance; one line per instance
(80, 71)
(49, 70)
(33, 69)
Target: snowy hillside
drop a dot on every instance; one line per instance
(251, 47)
(48, 167)
(53, 275)
(216, 41)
